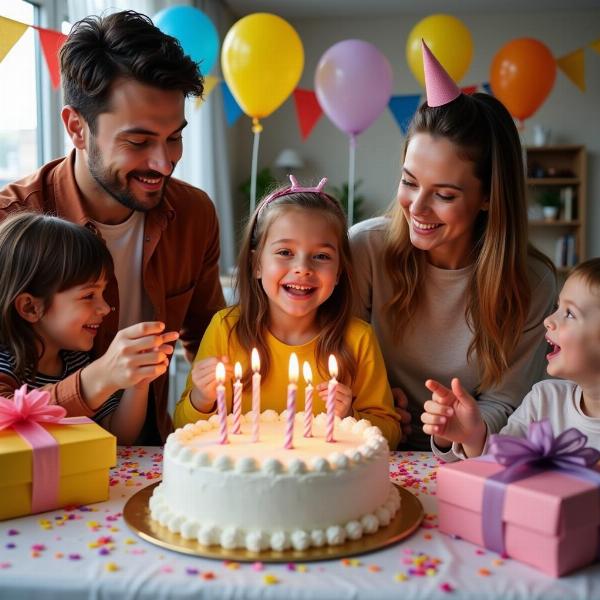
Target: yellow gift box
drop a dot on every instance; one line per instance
(86, 452)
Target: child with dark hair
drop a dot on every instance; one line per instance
(295, 289)
(573, 332)
(52, 278)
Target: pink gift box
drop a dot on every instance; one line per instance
(551, 519)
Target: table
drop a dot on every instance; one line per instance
(89, 552)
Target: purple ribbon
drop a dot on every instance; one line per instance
(524, 458)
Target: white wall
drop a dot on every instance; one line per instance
(570, 114)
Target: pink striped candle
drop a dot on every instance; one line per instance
(288, 443)
(237, 399)
(255, 394)
(331, 391)
(221, 406)
(308, 400)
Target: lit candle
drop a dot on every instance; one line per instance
(255, 393)
(308, 400)
(237, 398)
(291, 402)
(221, 406)
(331, 390)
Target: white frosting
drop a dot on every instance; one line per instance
(260, 495)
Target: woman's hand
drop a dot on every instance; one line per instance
(343, 398)
(204, 392)
(401, 407)
(453, 415)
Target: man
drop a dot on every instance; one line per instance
(125, 83)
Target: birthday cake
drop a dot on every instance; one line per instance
(261, 496)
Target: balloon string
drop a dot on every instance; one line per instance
(351, 162)
(256, 128)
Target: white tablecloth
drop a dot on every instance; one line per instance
(89, 552)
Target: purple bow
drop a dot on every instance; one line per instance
(567, 452)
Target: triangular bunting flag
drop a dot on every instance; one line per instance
(573, 66)
(231, 107)
(51, 42)
(308, 110)
(596, 46)
(403, 108)
(487, 88)
(10, 33)
(210, 81)
(470, 89)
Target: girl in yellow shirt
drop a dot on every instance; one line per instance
(296, 293)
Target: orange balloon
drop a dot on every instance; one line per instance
(522, 75)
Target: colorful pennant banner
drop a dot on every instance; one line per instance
(232, 109)
(403, 108)
(572, 65)
(51, 42)
(308, 111)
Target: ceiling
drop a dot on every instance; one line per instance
(303, 9)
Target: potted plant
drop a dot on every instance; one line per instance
(550, 203)
(341, 193)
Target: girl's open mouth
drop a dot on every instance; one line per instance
(554, 349)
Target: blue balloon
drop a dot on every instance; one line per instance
(194, 31)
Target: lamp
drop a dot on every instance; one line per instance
(288, 160)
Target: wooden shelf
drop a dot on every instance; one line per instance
(559, 237)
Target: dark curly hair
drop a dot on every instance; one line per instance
(125, 44)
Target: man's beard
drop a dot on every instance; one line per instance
(112, 186)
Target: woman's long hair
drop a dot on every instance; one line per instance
(499, 293)
(42, 255)
(333, 315)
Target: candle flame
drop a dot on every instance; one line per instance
(294, 368)
(333, 367)
(220, 372)
(255, 360)
(307, 372)
(237, 370)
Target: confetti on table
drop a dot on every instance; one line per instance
(166, 569)
(484, 572)
(192, 571)
(232, 566)
(373, 568)
(446, 587)
(497, 562)
(208, 575)
(13, 532)
(257, 566)
(301, 568)
(5, 565)
(400, 577)
(270, 579)
(111, 567)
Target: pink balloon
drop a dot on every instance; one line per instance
(353, 83)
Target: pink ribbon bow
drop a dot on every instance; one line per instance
(33, 406)
(565, 450)
(24, 415)
(523, 458)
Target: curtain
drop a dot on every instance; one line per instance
(206, 161)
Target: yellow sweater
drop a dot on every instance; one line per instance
(372, 396)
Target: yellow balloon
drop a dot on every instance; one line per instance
(262, 61)
(449, 40)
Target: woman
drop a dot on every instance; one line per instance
(447, 277)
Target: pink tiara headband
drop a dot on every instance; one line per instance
(440, 87)
(291, 189)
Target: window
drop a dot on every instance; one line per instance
(20, 137)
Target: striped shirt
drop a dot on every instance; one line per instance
(72, 361)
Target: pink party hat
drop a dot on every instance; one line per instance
(440, 87)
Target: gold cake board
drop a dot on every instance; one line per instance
(406, 521)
